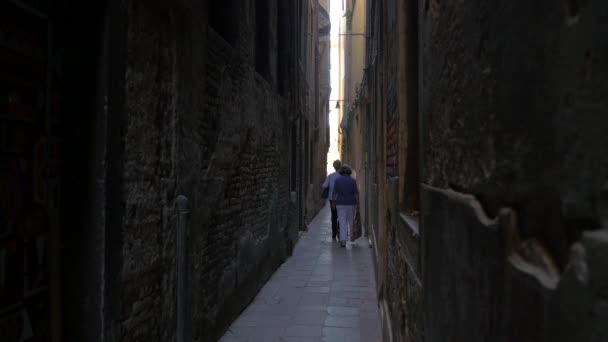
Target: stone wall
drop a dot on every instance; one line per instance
(377, 136)
(513, 145)
(141, 102)
(202, 122)
(149, 182)
(512, 227)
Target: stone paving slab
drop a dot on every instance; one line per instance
(323, 293)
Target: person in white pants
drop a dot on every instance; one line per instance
(345, 200)
(346, 217)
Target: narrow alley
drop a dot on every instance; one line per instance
(321, 293)
(167, 170)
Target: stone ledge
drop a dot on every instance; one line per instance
(411, 222)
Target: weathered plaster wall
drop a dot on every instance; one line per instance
(384, 131)
(377, 136)
(513, 104)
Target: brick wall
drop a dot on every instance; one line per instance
(149, 176)
(202, 123)
(151, 100)
(392, 148)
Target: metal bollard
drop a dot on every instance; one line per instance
(180, 258)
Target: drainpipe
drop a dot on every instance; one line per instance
(180, 258)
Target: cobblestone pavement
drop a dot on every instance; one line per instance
(322, 293)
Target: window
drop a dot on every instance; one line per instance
(312, 162)
(294, 151)
(283, 31)
(262, 39)
(307, 152)
(223, 19)
(411, 178)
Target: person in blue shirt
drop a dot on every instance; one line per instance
(329, 183)
(345, 200)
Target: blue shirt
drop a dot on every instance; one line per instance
(329, 182)
(345, 188)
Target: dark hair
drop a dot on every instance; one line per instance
(345, 170)
(337, 164)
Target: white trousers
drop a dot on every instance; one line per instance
(346, 217)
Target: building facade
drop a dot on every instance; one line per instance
(124, 110)
(514, 231)
(478, 135)
(380, 140)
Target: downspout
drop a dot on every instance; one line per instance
(181, 263)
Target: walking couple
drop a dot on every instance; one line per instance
(343, 196)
